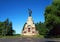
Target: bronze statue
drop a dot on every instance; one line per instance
(30, 12)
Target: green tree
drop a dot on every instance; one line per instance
(1, 27)
(9, 29)
(52, 19)
(41, 28)
(6, 28)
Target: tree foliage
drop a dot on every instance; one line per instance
(41, 28)
(52, 19)
(51, 26)
(6, 28)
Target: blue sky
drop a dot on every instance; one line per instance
(17, 11)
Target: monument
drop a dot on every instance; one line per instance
(29, 27)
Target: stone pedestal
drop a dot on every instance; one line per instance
(29, 28)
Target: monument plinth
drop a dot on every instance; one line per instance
(29, 28)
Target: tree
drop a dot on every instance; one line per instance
(6, 28)
(1, 27)
(41, 28)
(52, 19)
(10, 30)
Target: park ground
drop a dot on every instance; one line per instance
(27, 39)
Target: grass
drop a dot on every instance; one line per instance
(19, 36)
(39, 36)
(15, 36)
(35, 36)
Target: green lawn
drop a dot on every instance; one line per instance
(19, 36)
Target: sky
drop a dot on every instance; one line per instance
(17, 11)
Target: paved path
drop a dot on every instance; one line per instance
(28, 40)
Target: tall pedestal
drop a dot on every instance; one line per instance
(29, 28)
